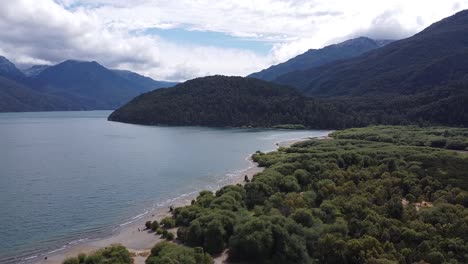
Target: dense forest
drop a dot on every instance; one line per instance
(230, 101)
(372, 195)
(317, 57)
(237, 102)
(436, 137)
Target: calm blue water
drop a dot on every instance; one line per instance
(66, 176)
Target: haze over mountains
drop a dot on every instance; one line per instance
(70, 85)
(419, 80)
(318, 57)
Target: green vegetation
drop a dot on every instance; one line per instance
(222, 101)
(373, 195)
(437, 137)
(115, 254)
(231, 102)
(314, 58)
(148, 224)
(154, 226)
(165, 252)
(341, 201)
(290, 126)
(169, 236)
(168, 222)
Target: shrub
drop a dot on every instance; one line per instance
(438, 143)
(214, 237)
(154, 225)
(116, 254)
(168, 253)
(148, 225)
(456, 145)
(170, 236)
(303, 217)
(168, 222)
(164, 233)
(182, 234)
(72, 260)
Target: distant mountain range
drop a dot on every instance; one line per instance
(419, 80)
(318, 57)
(9, 70)
(435, 57)
(70, 85)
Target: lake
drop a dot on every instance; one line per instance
(70, 176)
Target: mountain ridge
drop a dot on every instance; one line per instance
(318, 57)
(9, 70)
(397, 67)
(421, 80)
(69, 85)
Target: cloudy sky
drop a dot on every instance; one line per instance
(182, 39)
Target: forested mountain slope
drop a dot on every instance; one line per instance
(317, 57)
(435, 57)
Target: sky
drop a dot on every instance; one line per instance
(176, 40)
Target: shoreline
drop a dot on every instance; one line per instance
(139, 242)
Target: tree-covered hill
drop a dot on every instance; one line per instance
(235, 101)
(229, 101)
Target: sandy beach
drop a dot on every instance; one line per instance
(141, 242)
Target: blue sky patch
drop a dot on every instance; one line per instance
(210, 38)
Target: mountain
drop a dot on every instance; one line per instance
(420, 80)
(15, 97)
(228, 102)
(318, 57)
(9, 70)
(146, 82)
(89, 83)
(435, 57)
(92, 85)
(70, 85)
(33, 71)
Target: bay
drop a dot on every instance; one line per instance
(68, 176)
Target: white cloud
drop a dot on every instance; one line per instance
(44, 31)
